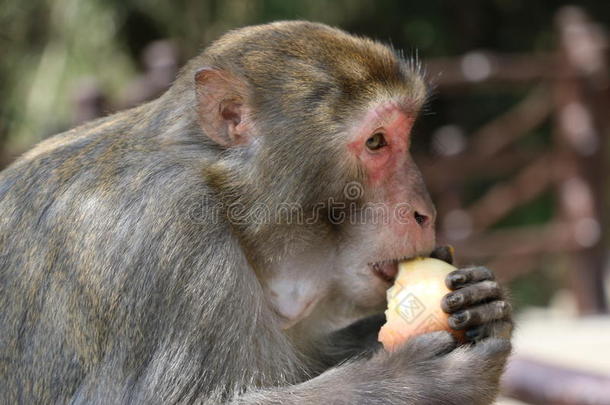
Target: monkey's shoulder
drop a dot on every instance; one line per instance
(100, 153)
(99, 172)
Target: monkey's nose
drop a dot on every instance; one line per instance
(421, 219)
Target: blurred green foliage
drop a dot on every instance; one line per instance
(48, 46)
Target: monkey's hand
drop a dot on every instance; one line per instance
(477, 304)
(436, 370)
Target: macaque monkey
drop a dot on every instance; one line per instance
(232, 241)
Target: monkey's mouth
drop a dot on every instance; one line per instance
(387, 270)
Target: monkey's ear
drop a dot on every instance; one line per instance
(223, 115)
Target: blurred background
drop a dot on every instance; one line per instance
(514, 143)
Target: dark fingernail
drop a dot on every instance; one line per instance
(457, 279)
(460, 317)
(455, 300)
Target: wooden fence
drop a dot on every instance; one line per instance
(570, 89)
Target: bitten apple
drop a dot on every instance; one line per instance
(414, 302)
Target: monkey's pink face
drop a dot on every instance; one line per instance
(397, 218)
(381, 142)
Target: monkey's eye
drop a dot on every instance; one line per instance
(377, 141)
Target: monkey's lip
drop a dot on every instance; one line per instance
(388, 269)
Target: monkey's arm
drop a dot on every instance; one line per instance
(427, 370)
(356, 340)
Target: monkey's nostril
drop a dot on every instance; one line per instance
(421, 219)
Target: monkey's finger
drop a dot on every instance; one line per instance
(470, 295)
(499, 329)
(444, 253)
(484, 360)
(480, 315)
(494, 350)
(461, 277)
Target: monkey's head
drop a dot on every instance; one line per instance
(308, 116)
